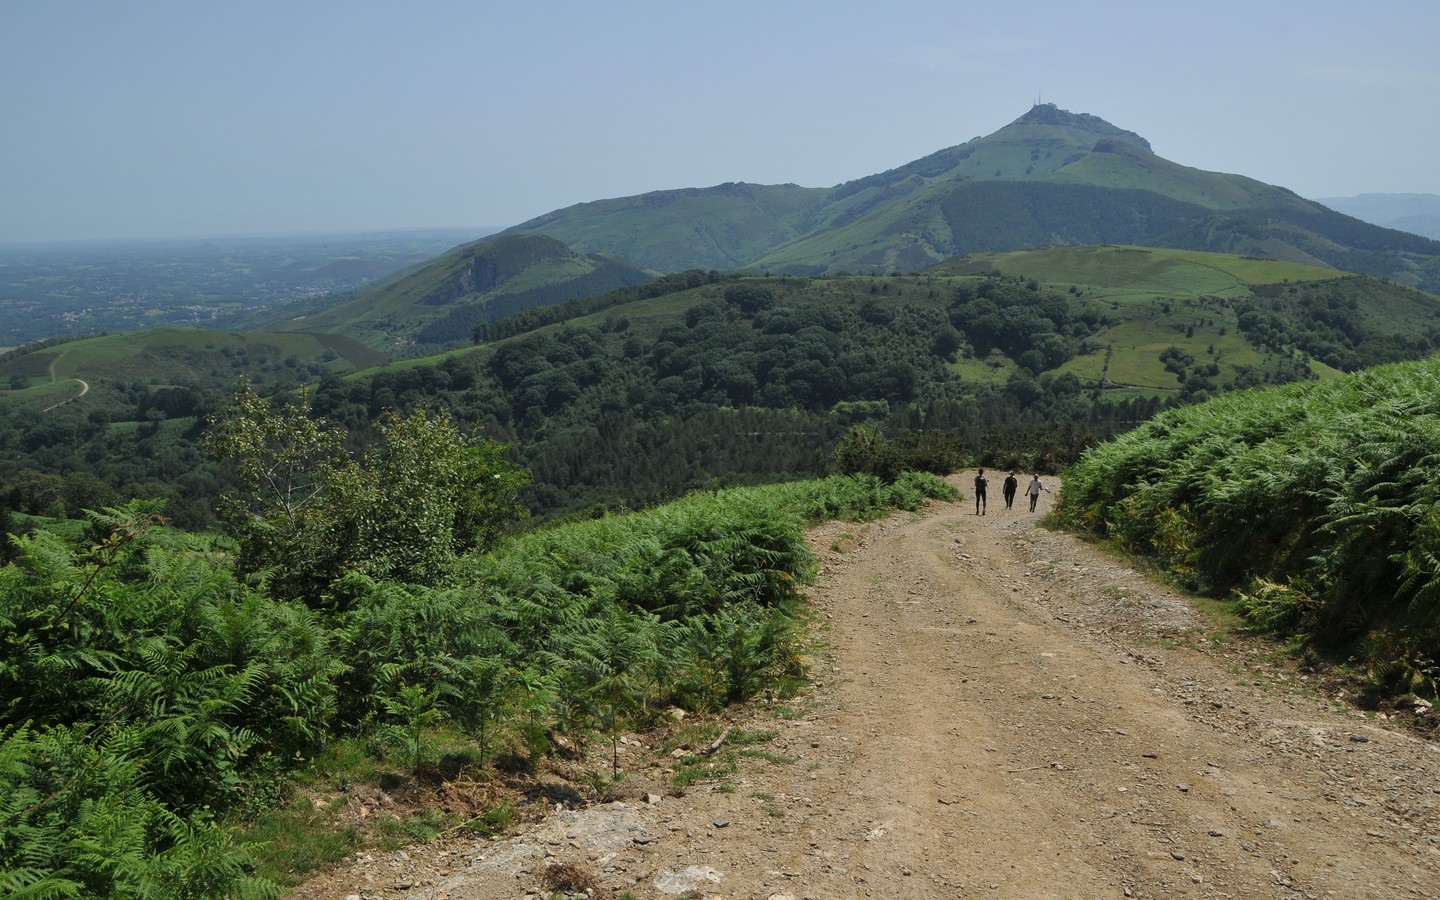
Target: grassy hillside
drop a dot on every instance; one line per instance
(103, 373)
(723, 227)
(442, 301)
(1241, 314)
(1138, 269)
(1124, 165)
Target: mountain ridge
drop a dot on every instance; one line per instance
(1061, 167)
(443, 300)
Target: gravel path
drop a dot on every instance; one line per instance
(1003, 711)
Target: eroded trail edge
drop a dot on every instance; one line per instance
(1003, 711)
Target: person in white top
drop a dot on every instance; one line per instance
(1034, 490)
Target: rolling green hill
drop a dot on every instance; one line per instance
(1139, 269)
(725, 227)
(1232, 311)
(1050, 177)
(443, 300)
(645, 392)
(750, 376)
(108, 372)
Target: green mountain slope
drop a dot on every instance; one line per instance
(725, 227)
(443, 300)
(110, 372)
(1051, 176)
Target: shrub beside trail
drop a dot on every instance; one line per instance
(1316, 506)
(153, 697)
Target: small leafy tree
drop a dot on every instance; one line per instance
(865, 450)
(285, 514)
(307, 512)
(429, 494)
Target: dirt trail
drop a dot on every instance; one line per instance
(1006, 712)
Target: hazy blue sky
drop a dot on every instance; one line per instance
(195, 118)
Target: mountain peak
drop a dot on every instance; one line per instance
(1050, 114)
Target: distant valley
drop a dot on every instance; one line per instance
(77, 289)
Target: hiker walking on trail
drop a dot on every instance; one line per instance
(980, 482)
(1034, 490)
(1012, 484)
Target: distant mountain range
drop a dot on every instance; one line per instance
(1415, 213)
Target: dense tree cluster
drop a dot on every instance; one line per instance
(1337, 322)
(1039, 329)
(754, 379)
(714, 379)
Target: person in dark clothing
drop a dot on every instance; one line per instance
(980, 482)
(1012, 484)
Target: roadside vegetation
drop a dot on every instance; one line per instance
(166, 691)
(1315, 506)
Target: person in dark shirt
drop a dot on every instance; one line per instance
(980, 482)
(1012, 484)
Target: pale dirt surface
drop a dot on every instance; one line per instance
(1004, 711)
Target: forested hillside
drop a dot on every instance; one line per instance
(643, 393)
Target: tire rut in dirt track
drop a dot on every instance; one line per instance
(1005, 712)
